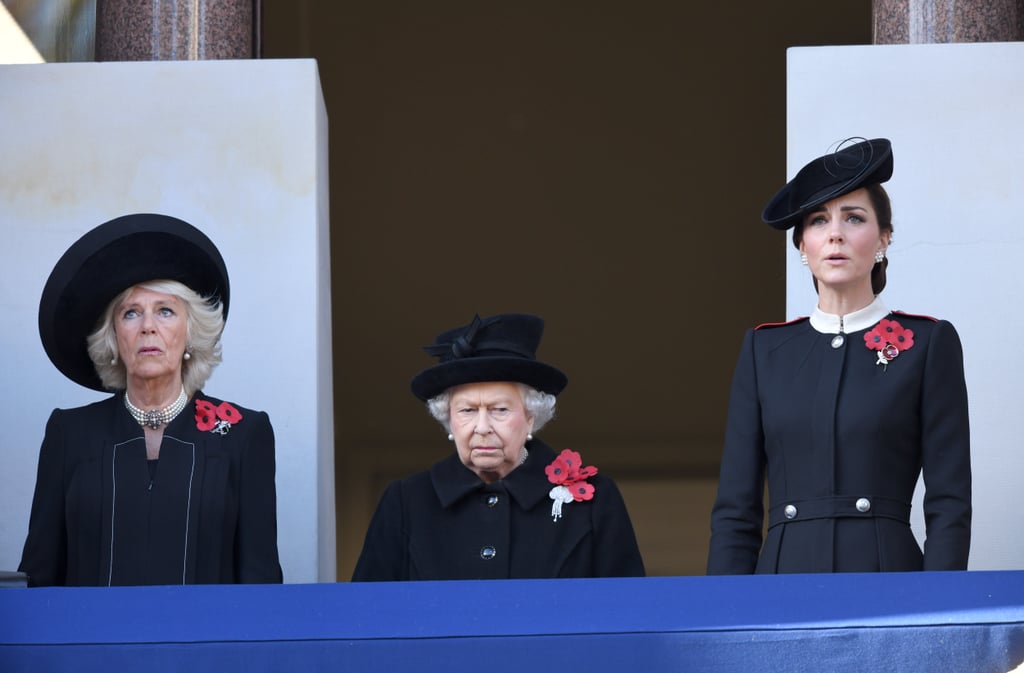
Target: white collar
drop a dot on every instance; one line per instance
(827, 323)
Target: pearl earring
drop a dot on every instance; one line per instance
(113, 360)
(529, 436)
(188, 356)
(803, 258)
(879, 256)
(450, 436)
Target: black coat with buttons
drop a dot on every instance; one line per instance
(446, 524)
(842, 441)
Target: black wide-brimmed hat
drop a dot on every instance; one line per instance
(866, 162)
(106, 261)
(499, 348)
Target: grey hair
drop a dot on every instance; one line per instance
(204, 327)
(539, 406)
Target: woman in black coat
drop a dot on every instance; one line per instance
(504, 505)
(843, 410)
(160, 483)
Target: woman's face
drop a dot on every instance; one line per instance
(151, 329)
(490, 425)
(840, 239)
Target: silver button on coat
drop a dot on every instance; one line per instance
(863, 504)
(790, 511)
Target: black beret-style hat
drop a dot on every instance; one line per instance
(106, 261)
(499, 348)
(866, 162)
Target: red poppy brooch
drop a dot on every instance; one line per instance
(570, 479)
(217, 418)
(889, 339)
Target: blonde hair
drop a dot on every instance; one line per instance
(205, 324)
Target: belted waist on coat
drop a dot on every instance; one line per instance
(839, 506)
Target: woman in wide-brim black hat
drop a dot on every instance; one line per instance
(159, 483)
(504, 505)
(841, 411)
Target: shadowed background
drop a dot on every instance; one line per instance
(601, 164)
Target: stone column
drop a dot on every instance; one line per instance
(928, 21)
(177, 30)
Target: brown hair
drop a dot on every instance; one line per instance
(883, 213)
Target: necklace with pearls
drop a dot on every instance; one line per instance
(156, 417)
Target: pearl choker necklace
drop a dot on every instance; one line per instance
(155, 418)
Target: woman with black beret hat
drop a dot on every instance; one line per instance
(842, 411)
(159, 483)
(504, 505)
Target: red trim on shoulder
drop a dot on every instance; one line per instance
(916, 315)
(780, 324)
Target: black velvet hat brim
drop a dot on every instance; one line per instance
(435, 380)
(814, 185)
(108, 260)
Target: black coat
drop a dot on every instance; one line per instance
(830, 427)
(445, 523)
(207, 515)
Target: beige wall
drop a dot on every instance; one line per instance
(602, 164)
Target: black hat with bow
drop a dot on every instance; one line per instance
(499, 348)
(866, 162)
